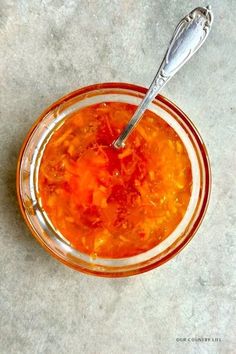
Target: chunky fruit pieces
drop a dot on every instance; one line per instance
(114, 203)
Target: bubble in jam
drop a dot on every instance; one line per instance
(114, 203)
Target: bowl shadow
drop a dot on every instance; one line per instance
(10, 206)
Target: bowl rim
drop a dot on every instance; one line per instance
(203, 152)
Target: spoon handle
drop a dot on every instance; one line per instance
(188, 37)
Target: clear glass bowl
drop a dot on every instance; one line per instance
(36, 219)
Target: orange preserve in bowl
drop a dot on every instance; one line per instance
(111, 203)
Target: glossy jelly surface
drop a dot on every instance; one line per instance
(114, 203)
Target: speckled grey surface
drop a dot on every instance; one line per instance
(49, 48)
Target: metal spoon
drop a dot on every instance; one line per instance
(188, 37)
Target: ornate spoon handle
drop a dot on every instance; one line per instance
(188, 37)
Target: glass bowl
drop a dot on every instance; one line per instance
(27, 175)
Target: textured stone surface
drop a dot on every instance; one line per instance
(49, 48)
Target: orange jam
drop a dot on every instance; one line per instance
(114, 203)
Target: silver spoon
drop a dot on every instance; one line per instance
(188, 37)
